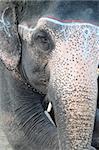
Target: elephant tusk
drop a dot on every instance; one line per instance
(49, 107)
(98, 71)
(49, 117)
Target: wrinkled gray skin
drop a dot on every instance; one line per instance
(35, 59)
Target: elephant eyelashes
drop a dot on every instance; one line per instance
(43, 41)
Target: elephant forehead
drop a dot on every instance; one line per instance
(82, 36)
(70, 26)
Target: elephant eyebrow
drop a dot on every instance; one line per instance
(70, 22)
(5, 25)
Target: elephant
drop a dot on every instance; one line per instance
(48, 61)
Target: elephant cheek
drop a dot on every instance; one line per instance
(74, 106)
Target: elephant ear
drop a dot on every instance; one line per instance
(10, 47)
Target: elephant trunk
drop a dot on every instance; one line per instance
(72, 90)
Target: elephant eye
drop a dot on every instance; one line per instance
(43, 41)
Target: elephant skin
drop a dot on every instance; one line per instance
(46, 60)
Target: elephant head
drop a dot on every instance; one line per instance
(60, 59)
(65, 61)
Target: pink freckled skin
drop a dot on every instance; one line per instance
(73, 76)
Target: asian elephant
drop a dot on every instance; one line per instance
(45, 60)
